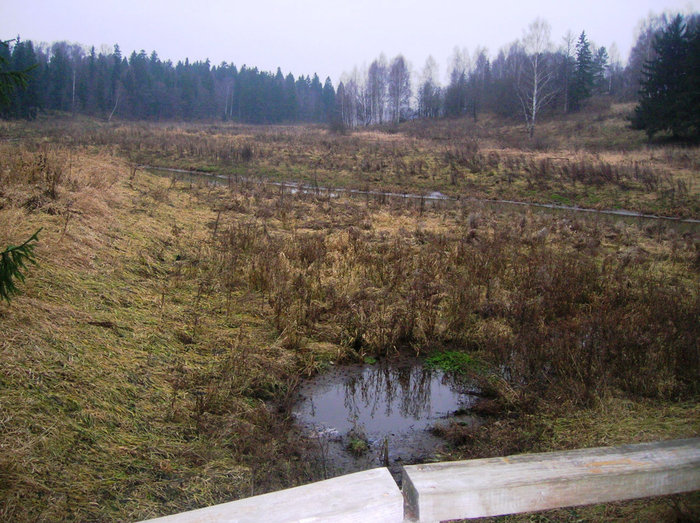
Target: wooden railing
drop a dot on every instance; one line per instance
(476, 488)
(530, 482)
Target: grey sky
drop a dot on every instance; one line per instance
(323, 36)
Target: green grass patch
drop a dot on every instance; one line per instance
(456, 362)
(558, 198)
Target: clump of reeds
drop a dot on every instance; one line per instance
(546, 310)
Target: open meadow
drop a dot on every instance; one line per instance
(590, 160)
(150, 362)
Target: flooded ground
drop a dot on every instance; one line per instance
(362, 416)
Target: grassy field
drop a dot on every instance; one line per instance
(590, 160)
(150, 361)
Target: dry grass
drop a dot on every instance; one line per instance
(149, 363)
(126, 393)
(566, 306)
(591, 160)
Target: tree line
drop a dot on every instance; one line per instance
(64, 77)
(527, 79)
(524, 78)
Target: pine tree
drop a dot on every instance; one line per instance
(669, 94)
(690, 108)
(328, 100)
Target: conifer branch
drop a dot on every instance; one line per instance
(12, 261)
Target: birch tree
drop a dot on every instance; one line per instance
(351, 99)
(376, 89)
(399, 88)
(429, 91)
(567, 65)
(535, 79)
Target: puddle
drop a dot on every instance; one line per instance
(391, 405)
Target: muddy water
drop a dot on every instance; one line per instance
(391, 406)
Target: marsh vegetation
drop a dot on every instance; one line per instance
(152, 361)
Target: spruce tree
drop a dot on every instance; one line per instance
(690, 106)
(12, 261)
(600, 64)
(328, 100)
(582, 85)
(9, 79)
(669, 93)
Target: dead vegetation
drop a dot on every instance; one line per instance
(592, 160)
(565, 305)
(150, 362)
(128, 391)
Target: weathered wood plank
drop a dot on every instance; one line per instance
(531, 482)
(366, 496)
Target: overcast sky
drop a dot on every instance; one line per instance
(322, 36)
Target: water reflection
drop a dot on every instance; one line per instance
(392, 404)
(400, 393)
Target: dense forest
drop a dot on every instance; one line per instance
(66, 77)
(527, 79)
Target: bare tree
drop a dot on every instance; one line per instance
(429, 92)
(456, 93)
(364, 99)
(568, 54)
(615, 70)
(459, 62)
(399, 88)
(535, 75)
(478, 80)
(376, 89)
(351, 100)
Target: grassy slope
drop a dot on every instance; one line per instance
(99, 414)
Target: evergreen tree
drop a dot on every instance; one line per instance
(669, 98)
(582, 85)
(11, 79)
(328, 100)
(291, 103)
(456, 94)
(315, 96)
(690, 102)
(600, 65)
(68, 77)
(24, 102)
(13, 261)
